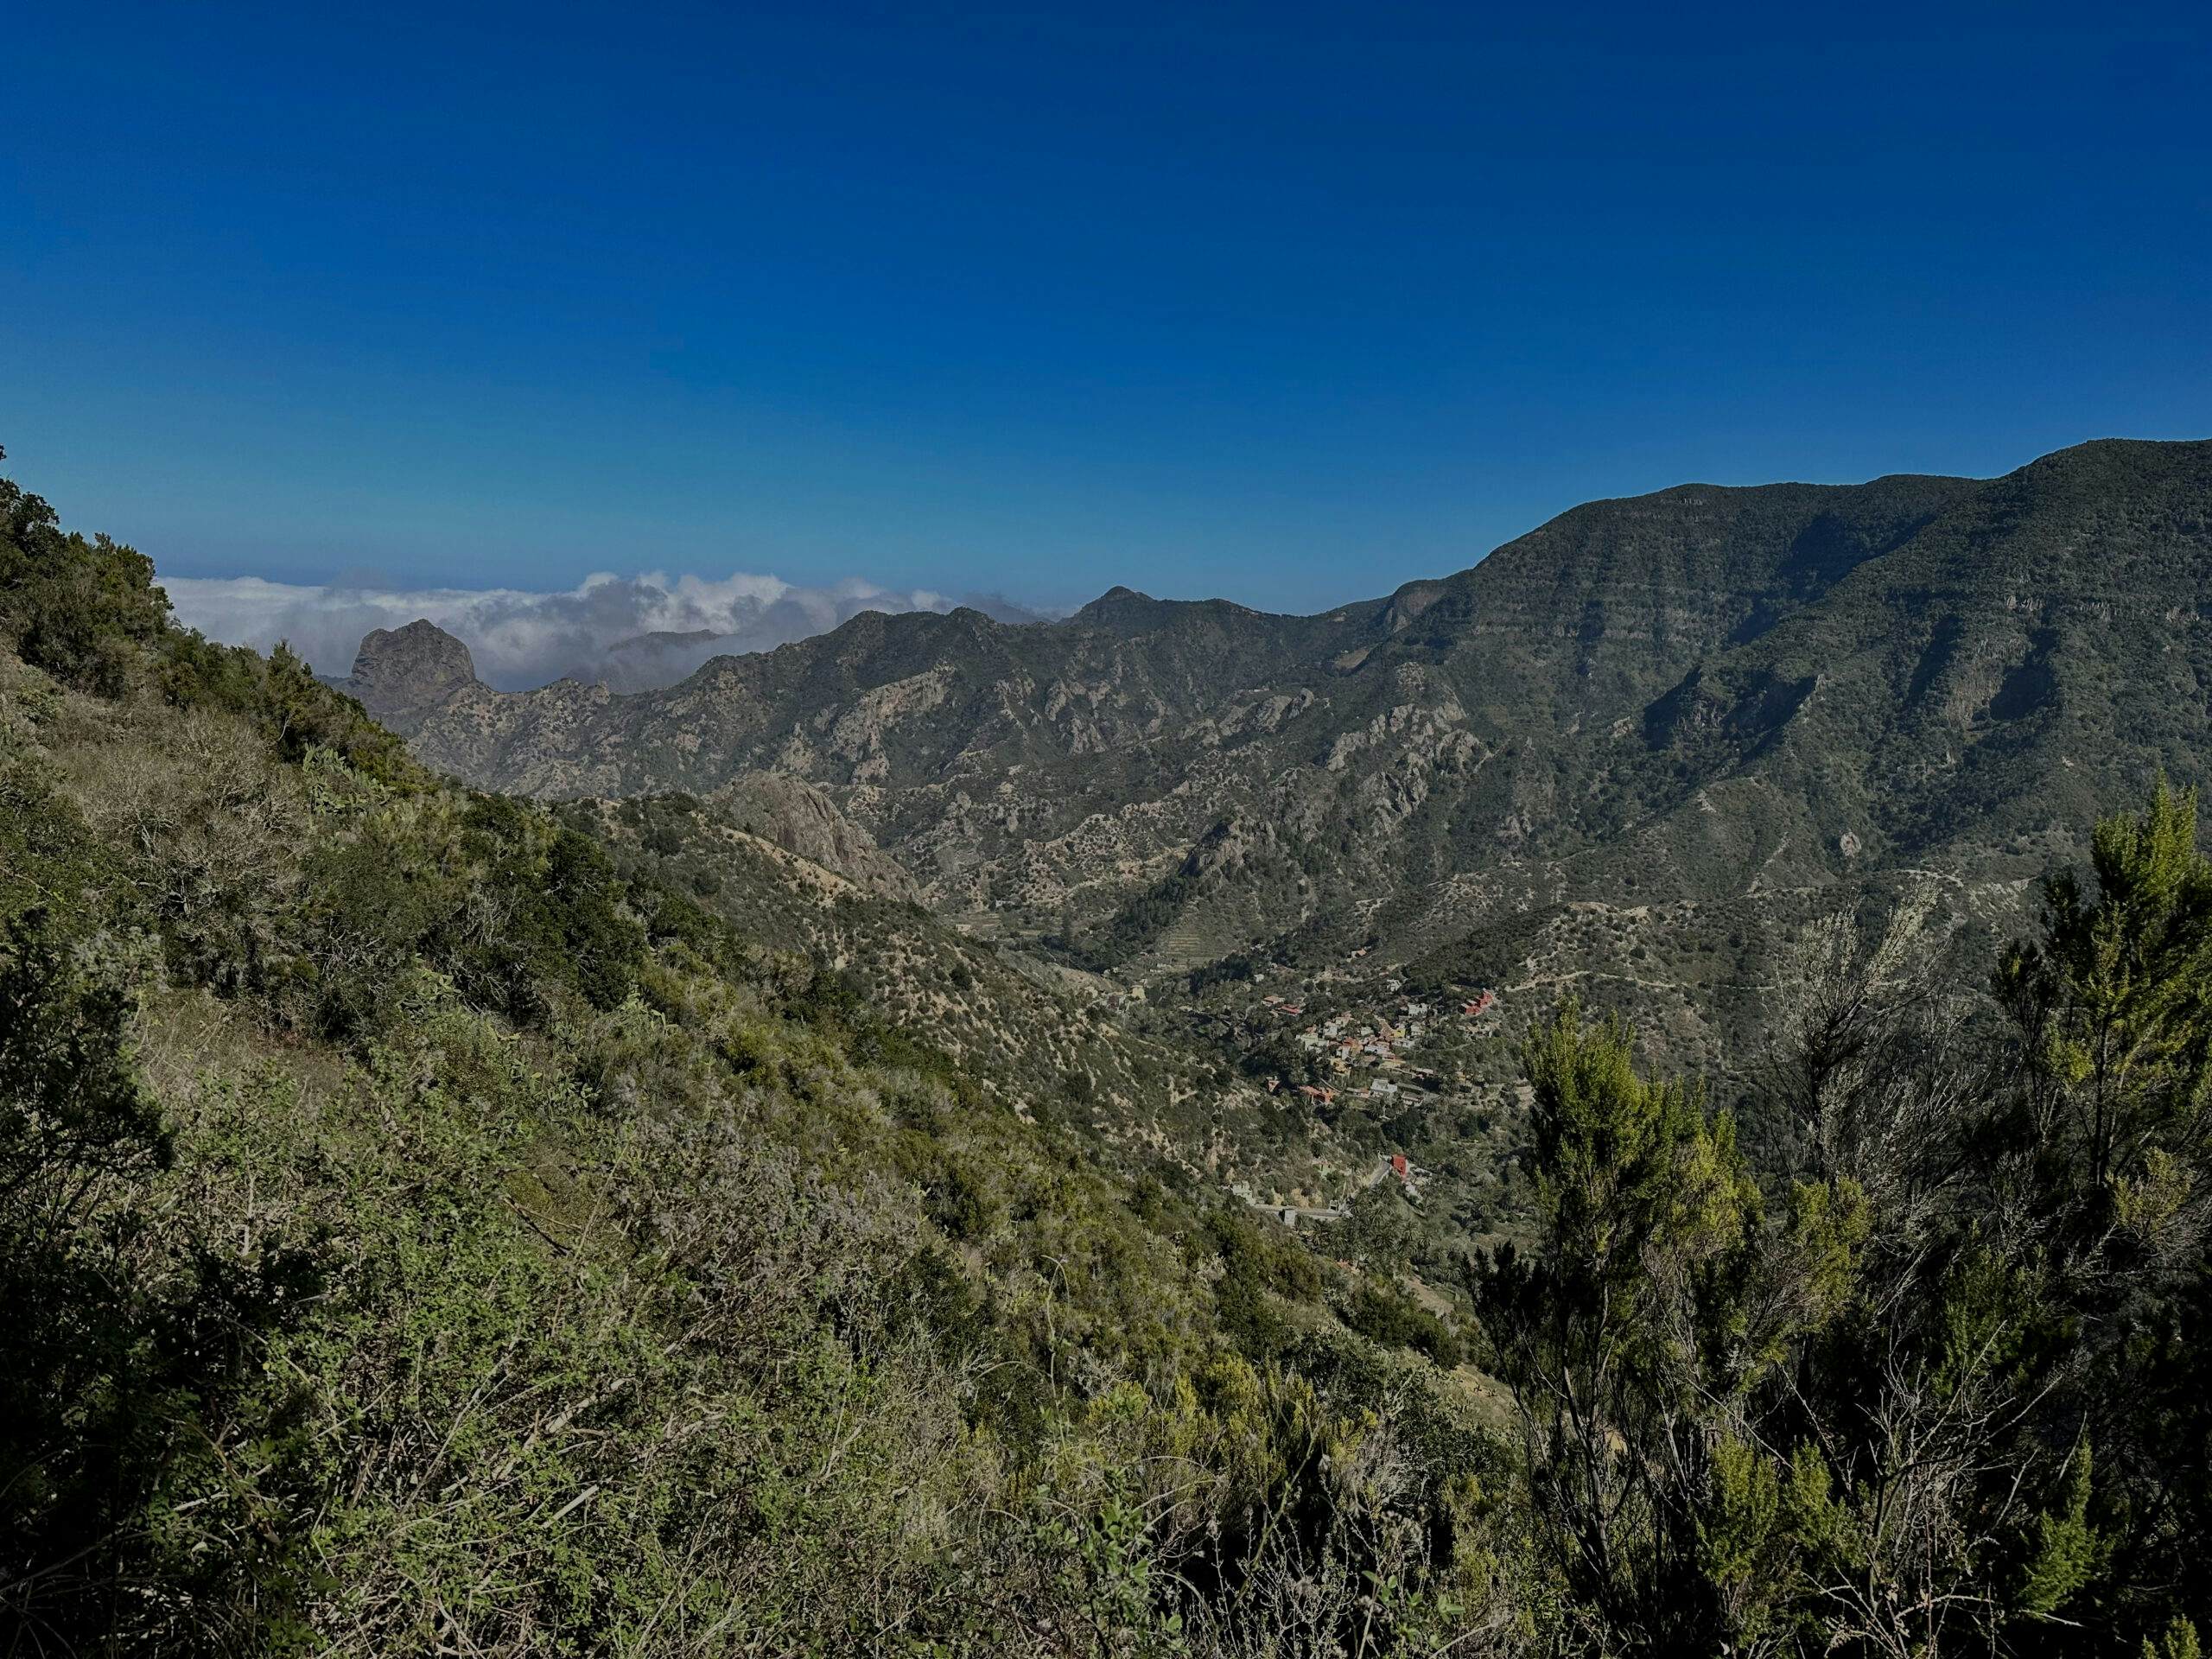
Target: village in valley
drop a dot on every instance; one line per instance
(1412, 1085)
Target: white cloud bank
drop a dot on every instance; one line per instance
(519, 637)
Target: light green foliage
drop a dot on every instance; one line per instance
(436, 1223)
(471, 1243)
(2116, 994)
(1737, 1535)
(2063, 1549)
(1623, 1329)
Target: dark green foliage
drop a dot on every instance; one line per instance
(508, 902)
(432, 1223)
(1395, 1320)
(48, 856)
(1134, 927)
(123, 1346)
(1606, 1332)
(72, 1115)
(369, 906)
(563, 912)
(197, 673)
(73, 607)
(1261, 1268)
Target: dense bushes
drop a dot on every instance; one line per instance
(77, 608)
(426, 1226)
(1945, 1385)
(127, 1337)
(436, 1229)
(1384, 1314)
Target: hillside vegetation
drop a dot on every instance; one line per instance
(437, 1222)
(429, 1229)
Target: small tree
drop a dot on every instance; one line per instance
(76, 1449)
(2115, 1002)
(71, 1110)
(1621, 1332)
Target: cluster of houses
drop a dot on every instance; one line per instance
(1368, 1053)
(1376, 1042)
(1356, 1042)
(1351, 1040)
(1364, 1052)
(1360, 1052)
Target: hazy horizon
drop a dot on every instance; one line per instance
(523, 638)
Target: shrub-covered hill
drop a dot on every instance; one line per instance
(434, 1224)
(1050, 1043)
(431, 1224)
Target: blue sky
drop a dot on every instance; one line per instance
(1290, 303)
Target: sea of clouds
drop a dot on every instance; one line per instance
(521, 638)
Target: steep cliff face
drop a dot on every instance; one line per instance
(2036, 648)
(1609, 604)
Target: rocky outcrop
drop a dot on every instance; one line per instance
(799, 819)
(404, 676)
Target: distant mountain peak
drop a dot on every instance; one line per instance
(401, 674)
(1114, 598)
(419, 658)
(640, 645)
(1120, 605)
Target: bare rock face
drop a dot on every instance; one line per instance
(403, 676)
(802, 819)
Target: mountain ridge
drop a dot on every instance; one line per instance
(429, 1169)
(1713, 694)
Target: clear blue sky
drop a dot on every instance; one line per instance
(1285, 302)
